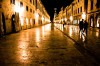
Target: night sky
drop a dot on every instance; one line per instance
(51, 4)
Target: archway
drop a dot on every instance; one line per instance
(13, 23)
(92, 21)
(3, 25)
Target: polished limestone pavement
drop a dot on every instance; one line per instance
(42, 46)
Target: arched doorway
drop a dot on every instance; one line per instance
(98, 20)
(2, 24)
(13, 23)
(92, 21)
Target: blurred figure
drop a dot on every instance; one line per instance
(81, 26)
(85, 26)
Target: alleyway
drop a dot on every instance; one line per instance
(46, 46)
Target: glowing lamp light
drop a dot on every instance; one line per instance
(31, 21)
(22, 22)
(17, 8)
(36, 15)
(26, 21)
(84, 16)
(42, 18)
(62, 19)
(71, 18)
(65, 19)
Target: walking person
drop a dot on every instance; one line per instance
(81, 26)
(85, 26)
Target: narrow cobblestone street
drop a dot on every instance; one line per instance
(45, 46)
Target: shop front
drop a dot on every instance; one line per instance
(92, 21)
(98, 21)
(15, 22)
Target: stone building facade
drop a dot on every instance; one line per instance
(78, 10)
(88, 10)
(16, 15)
(93, 13)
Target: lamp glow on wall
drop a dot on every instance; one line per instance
(26, 21)
(36, 16)
(22, 21)
(62, 20)
(83, 15)
(65, 19)
(71, 18)
(42, 18)
(31, 21)
(19, 10)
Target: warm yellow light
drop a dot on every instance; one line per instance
(42, 18)
(62, 19)
(36, 16)
(16, 7)
(71, 18)
(22, 22)
(31, 21)
(19, 9)
(83, 15)
(26, 21)
(65, 19)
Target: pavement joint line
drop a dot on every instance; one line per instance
(86, 50)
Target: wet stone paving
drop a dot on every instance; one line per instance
(42, 46)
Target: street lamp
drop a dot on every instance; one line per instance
(83, 15)
(71, 18)
(42, 18)
(36, 16)
(20, 11)
(65, 19)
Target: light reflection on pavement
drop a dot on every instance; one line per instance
(42, 46)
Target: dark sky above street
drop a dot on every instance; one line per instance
(51, 4)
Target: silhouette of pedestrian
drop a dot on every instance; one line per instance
(85, 26)
(81, 26)
(63, 24)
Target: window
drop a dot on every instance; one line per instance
(91, 4)
(21, 4)
(30, 1)
(33, 2)
(80, 9)
(12, 1)
(26, 8)
(78, 0)
(98, 4)
(30, 10)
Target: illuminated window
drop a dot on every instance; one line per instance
(26, 8)
(12, 1)
(21, 4)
